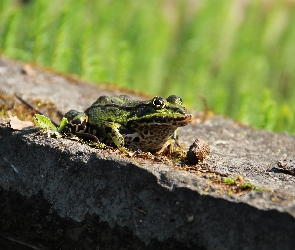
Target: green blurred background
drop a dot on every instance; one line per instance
(238, 54)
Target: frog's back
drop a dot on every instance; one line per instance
(108, 109)
(112, 101)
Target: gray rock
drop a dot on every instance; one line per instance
(61, 194)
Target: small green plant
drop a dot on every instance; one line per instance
(228, 180)
(248, 186)
(238, 184)
(45, 123)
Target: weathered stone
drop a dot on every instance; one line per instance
(61, 194)
(198, 151)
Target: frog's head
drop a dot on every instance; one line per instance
(160, 112)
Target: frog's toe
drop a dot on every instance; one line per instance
(169, 147)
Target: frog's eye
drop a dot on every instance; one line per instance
(174, 99)
(159, 102)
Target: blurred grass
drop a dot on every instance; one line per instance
(239, 54)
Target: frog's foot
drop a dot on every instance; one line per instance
(168, 147)
(173, 150)
(113, 135)
(125, 151)
(77, 122)
(87, 136)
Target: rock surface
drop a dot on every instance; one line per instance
(61, 194)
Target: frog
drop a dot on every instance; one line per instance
(126, 123)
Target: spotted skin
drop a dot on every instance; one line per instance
(77, 121)
(123, 122)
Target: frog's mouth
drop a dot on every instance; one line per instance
(163, 121)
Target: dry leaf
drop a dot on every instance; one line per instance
(28, 70)
(17, 124)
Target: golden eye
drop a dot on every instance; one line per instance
(159, 102)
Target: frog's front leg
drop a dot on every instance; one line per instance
(171, 144)
(113, 135)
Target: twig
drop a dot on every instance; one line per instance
(140, 210)
(35, 109)
(7, 237)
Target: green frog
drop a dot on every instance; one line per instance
(126, 123)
